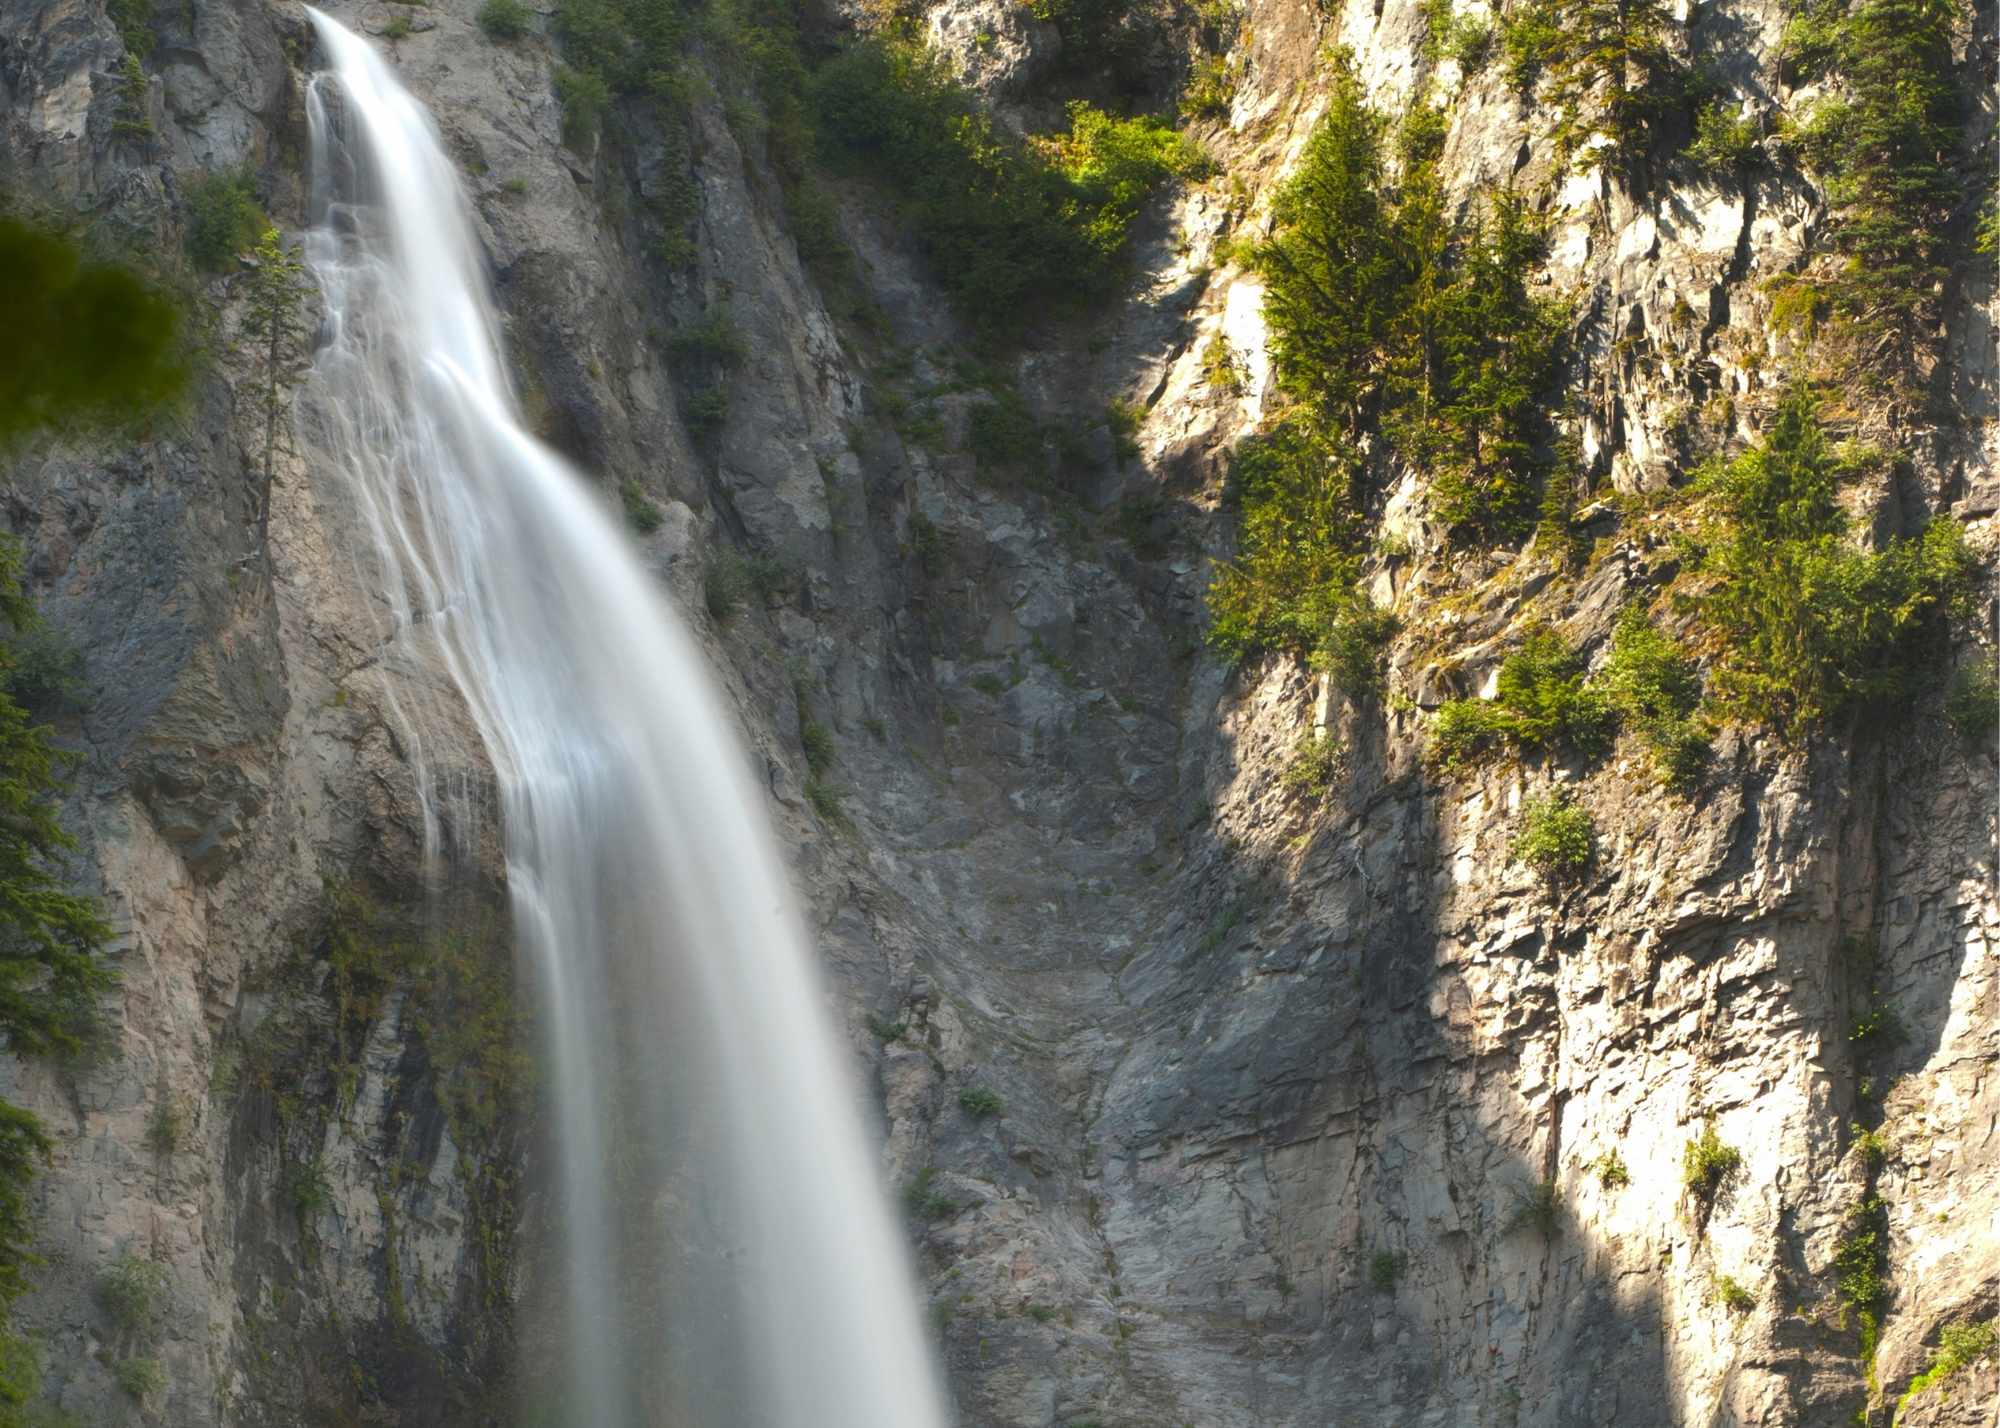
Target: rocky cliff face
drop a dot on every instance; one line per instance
(1275, 1076)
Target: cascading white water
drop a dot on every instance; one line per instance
(725, 1253)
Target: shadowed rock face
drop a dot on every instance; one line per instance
(1275, 1073)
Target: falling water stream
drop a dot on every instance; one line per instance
(721, 1251)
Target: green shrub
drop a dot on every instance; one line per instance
(725, 584)
(1877, 1027)
(826, 800)
(1656, 690)
(1860, 1263)
(141, 1378)
(1385, 1267)
(1537, 1206)
(817, 741)
(1542, 700)
(1003, 432)
(1959, 1345)
(1557, 838)
(1123, 419)
(1733, 1296)
(585, 98)
(1293, 585)
(134, 1293)
(166, 1128)
(1096, 37)
(713, 339)
(222, 219)
(1005, 225)
(1727, 143)
(505, 20)
(1314, 764)
(640, 511)
(1211, 85)
(398, 28)
(1972, 703)
(705, 412)
(1610, 1170)
(1871, 1145)
(1708, 1166)
(979, 1103)
(922, 1200)
(1810, 627)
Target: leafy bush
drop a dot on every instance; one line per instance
(585, 97)
(713, 339)
(1095, 34)
(640, 511)
(1610, 1170)
(505, 20)
(725, 584)
(1733, 1296)
(1293, 584)
(1314, 764)
(1005, 225)
(142, 1378)
(1810, 627)
(1727, 143)
(1972, 703)
(705, 411)
(1708, 1166)
(1541, 700)
(922, 1200)
(1003, 432)
(1656, 690)
(817, 741)
(1385, 1267)
(979, 1102)
(223, 218)
(1860, 1264)
(1557, 838)
(134, 1293)
(1959, 1345)
(1211, 85)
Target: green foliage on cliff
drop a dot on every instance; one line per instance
(1293, 584)
(1005, 225)
(49, 972)
(1542, 700)
(86, 343)
(222, 218)
(1381, 306)
(1608, 67)
(1656, 690)
(1808, 626)
(1959, 1345)
(1557, 838)
(1883, 143)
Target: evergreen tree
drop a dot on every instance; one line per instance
(1331, 274)
(275, 324)
(1884, 146)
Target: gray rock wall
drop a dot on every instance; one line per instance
(1248, 1044)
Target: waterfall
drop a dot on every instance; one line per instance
(720, 1251)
